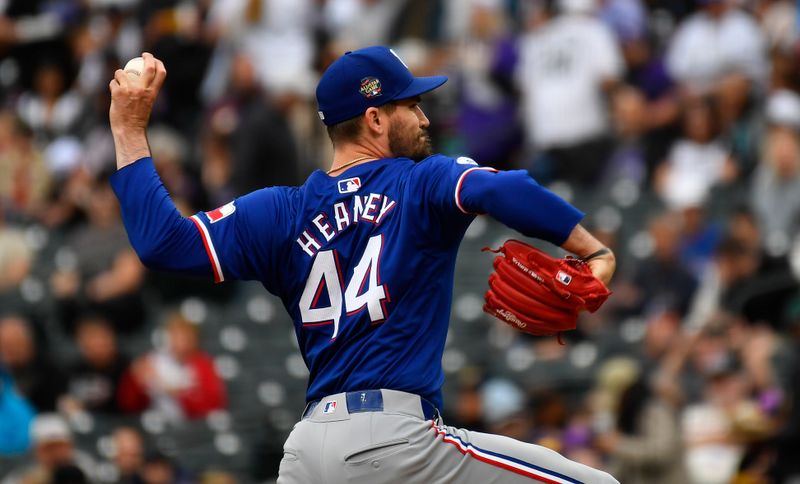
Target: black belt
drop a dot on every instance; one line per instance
(372, 401)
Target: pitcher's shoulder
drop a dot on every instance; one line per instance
(440, 160)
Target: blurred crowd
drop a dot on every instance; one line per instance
(684, 112)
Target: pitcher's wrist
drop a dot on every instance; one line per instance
(130, 146)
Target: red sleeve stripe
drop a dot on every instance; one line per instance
(209, 245)
(461, 180)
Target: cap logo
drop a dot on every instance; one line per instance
(370, 87)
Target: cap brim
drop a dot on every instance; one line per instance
(421, 85)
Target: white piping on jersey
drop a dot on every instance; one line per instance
(461, 180)
(212, 252)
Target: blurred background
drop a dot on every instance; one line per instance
(673, 124)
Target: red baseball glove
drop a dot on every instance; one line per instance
(539, 294)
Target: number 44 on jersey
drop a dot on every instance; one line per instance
(327, 275)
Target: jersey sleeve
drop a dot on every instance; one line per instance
(437, 181)
(240, 240)
(244, 239)
(516, 200)
(161, 237)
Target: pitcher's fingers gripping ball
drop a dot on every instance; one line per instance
(134, 67)
(539, 294)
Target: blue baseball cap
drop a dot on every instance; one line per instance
(365, 78)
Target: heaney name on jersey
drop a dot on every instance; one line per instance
(371, 208)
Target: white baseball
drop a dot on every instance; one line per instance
(134, 67)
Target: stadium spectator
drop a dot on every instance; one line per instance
(128, 455)
(179, 380)
(663, 283)
(182, 44)
(550, 417)
(717, 427)
(783, 109)
(174, 162)
(627, 18)
(717, 41)
(787, 438)
(105, 35)
(762, 295)
(485, 57)
(645, 445)
(356, 23)
(53, 109)
(779, 23)
(577, 438)
(734, 262)
(64, 158)
(16, 415)
(35, 376)
(467, 408)
(696, 162)
(567, 65)
(740, 120)
(93, 380)
(647, 108)
(53, 448)
(24, 178)
(775, 188)
(160, 469)
(16, 259)
(32, 29)
(243, 125)
(271, 33)
(763, 359)
(503, 404)
(106, 276)
(628, 160)
(68, 474)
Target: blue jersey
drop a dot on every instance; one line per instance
(363, 262)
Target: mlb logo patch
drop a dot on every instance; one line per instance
(564, 278)
(220, 213)
(329, 407)
(350, 185)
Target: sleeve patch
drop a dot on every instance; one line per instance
(220, 213)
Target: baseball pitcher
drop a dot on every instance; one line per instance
(363, 258)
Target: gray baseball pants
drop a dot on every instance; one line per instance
(397, 444)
